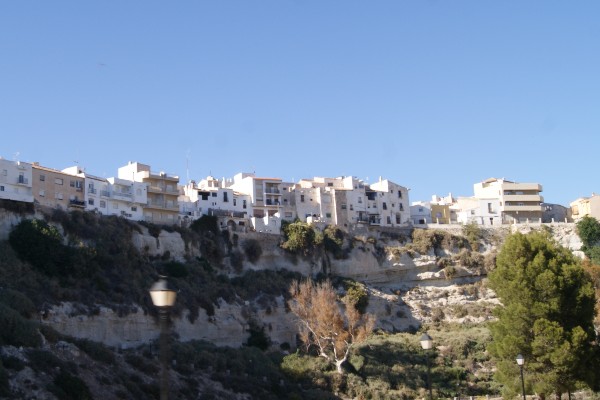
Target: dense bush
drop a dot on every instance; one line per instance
(474, 234)
(206, 223)
(357, 293)
(424, 240)
(69, 387)
(252, 249)
(16, 330)
(333, 241)
(300, 238)
(18, 302)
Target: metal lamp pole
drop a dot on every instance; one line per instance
(520, 362)
(163, 297)
(426, 344)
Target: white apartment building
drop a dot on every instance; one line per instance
(162, 192)
(214, 197)
(387, 204)
(508, 201)
(16, 181)
(420, 212)
(265, 196)
(479, 211)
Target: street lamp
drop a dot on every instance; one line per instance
(521, 361)
(163, 297)
(427, 344)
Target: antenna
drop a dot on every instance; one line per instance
(16, 157)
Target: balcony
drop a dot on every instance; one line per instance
(532, 208)
(92, 191)
(522, 187)
(76, 203)
(105, 193)
(161, 205)
(272, 191)
(122, 196)
(523, 197)
(162, 175)
(21, 180)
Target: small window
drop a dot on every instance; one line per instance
(302, 198)
(384, 205)
(343, 206)
(1, 188)
(134, 208)
(102, 204)
(328, 215)
(244, 204)
(329, 184)
(42, 178)
(72, 183)
(91, 202)
(389, 220)
(42, 193)
(58, 196)
(58, 181)
(360, 200)
(225, 197)
(234, 202)
(351, 207)
(214, 194)
(399, 194)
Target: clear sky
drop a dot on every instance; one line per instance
(433, 95)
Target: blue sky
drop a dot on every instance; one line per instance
(433, 95)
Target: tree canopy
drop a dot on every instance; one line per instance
(588, 229)
(547, 315)
(325, 324)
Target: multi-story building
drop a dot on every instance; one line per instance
(517, 202)
(57, 189)
(265, 195)
(420, 212)
(162, 206)
(388, 203)
(586, 206)
(16, 181)
(216, 198)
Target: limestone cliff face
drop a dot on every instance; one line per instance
(405, 288)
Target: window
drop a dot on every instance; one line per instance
(420, 209)
(328, 215)
(244, 204)
(302, 198)
(214, 194)
(360, 200)
(351, 207)
(42, 178)
(288, 214)
(225, 198)
(389, 220)
(234, 202)
(343, 206)
(91, 202)
(58, 196)
(330, 184)
(397, 218)
(490, 207)
(399, 194)
(102, 204)
(72, 183)
(384, 205)
(401, 207)
(1, 188)
(134, 208)
(58, 181)
(42, 193)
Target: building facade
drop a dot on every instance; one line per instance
(16, 180)
(57, 189)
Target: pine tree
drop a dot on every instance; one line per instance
(547, 316)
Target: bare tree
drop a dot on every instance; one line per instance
(331, 326)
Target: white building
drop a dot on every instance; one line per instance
(265, 197)
(16, 181)
(420, 212)
(388, 204)
(216, 198)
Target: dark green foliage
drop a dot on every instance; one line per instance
(142, 364)
(18, 302)
(206, 223)
(424, 240)
(333, 241)
(236, 259)
(300, 238)
(474, 234)
(588, 229)
(252, 250)
(4, 385)
(95, 350)
(357, 293)
(69, 387)
(258, 338)
(41, 245)
(45, 361)
(16, 330)
(547, 313)
(175, 269)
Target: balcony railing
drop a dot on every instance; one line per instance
(92, 190)
(21, 180)
(77, 203)
(105, 193)
(272, 191)
(127, 196)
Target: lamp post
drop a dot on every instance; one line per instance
(520, 362)
(427, 344)
(163, 297)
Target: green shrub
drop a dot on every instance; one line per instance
(18, 302)
(204, 224)
(252, 249)
(333, 241)
(236, 259)
(45, 361)
(258, 338)
(300, 238)
(95, 350)
(474, 234)
(141, 364)
(69, 387)
(357, 293)
(4, 384)
(176, 269)
(16, 330)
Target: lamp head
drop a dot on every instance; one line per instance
(162, 295)
(426, 341)
(520, 359)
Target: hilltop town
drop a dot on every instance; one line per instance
(250, 202)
